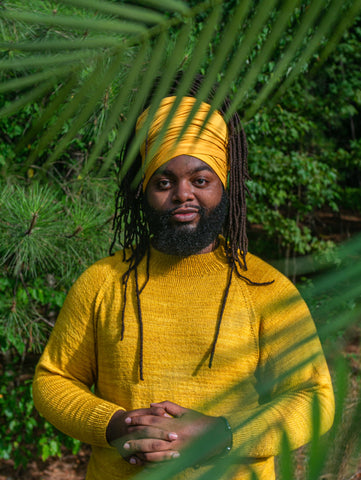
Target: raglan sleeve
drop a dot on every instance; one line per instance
(66, 372)
(291, 376)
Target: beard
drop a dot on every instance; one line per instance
(182, 239)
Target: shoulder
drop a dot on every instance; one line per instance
(274, 284)
(279, 295)
(259, 271)
(106, 266)
(102, 273)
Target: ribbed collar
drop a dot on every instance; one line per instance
(194, 265)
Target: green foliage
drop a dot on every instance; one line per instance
(262, 43)
(29, 227)
(27, 312)
(331, 101)
(20, 423)
(305, 156)
(48, 236)
(65, 92)
(288, 185)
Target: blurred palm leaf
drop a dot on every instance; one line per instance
(325, 453)
(91, 55)
(86, 56)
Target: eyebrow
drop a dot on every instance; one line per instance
(169, 173)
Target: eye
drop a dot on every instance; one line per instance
(163, 183)
(200, 182)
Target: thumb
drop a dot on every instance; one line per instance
(171, 408)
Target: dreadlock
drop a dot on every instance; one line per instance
(132, 232)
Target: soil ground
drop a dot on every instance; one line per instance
(68, 467)
(73, 467)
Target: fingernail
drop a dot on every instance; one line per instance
(128, 420)
(127, 446)
(166, 415)
(175, 455)
(132, 461)
(172, 436)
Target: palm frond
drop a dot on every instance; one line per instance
(325, 452)
(76, 64)
(328, 21)
(75, 23)
(103, 56)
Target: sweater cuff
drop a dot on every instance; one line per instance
(99, 418)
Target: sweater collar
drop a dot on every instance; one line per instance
(194, 265)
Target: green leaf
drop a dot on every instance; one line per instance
(236, 55)
(285, 459)
(74, 22)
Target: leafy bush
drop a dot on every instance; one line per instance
(288, 186)
(48, 236)
(20, 423)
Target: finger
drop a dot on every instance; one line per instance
(148, 421)
(151, 432)
(156, 410)
(157, 457)
(162, 404)
(134, 460)
(145, 445)
(171, 408)
(141, 412)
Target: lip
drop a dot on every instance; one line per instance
(185, 214)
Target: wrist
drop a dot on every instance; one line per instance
(116, 427)
(228, 434)
(222, 442)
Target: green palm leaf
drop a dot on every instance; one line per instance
(87, 49)
(326, 453)
(102, 56)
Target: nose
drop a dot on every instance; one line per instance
(183, 192)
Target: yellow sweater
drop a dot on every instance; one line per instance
(266, 331)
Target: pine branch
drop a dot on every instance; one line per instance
(32, 224)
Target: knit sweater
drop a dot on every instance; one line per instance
(267, 367)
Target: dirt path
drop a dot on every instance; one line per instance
(68, 467)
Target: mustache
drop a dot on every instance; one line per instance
(172, 210)
(194, 207)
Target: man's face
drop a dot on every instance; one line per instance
(186, 206)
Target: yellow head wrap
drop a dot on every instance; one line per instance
(208, 144)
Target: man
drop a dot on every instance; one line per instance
(184, 335)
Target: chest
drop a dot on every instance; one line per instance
(176, 323)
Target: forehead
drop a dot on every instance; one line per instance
(183, 165)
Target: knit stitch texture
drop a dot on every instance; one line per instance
(267, 368)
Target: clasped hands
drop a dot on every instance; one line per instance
(159, 433)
